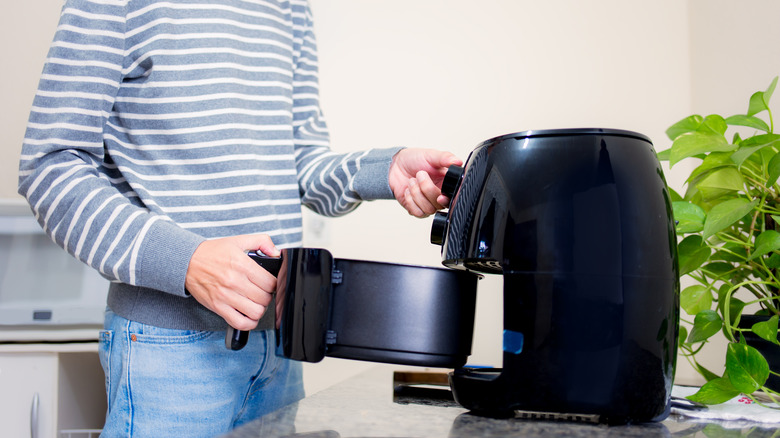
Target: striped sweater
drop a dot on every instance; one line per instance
(159, 124)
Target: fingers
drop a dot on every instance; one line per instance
(422, 197)
(226, 281)
(257, 242)
(416, 176)
(252, 292)
(432, 160)
(239, 296)
(241, 313)
(443, 160)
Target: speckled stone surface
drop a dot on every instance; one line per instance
(364, 406)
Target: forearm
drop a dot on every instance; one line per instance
(335, 184)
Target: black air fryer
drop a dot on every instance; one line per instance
(579, 224)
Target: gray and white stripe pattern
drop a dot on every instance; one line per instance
(158, 124)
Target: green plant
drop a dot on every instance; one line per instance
(728, 222)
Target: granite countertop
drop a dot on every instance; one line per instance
(368, 406)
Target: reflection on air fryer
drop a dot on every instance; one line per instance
(422, 388)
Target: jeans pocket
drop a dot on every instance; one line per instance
(149, 334)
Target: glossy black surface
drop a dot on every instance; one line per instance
(414, 315)
(303, 303)
(579, 223)
(379, 312)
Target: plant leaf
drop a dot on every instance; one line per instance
(735, 305)
(712, 161)
(770, 90)
(747, 368)
(767, 154)
(708, 375)
(731, 252)
(714, 124)
(689, 217)
(720, 182)
(694, 299)
(718, 269)
(773, 262)
(749, 121)
(759, 101)
(692, 194)
(766, 242)
(761, 140)
(767, 329)
(705, 324)
(725, 214)
(751, 145)
(682, 335)
(694, 143)
(688, 124)
(714, 392)
(692, 253)
(774, 170)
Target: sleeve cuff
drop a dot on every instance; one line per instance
(372, 180)
(165, 257)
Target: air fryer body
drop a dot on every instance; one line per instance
(579, 223)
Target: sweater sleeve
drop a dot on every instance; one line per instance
(330, 183)
(73, 187)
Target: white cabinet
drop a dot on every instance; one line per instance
(47, 390)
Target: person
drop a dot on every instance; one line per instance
(166, 140)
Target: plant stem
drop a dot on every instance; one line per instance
(729, 329)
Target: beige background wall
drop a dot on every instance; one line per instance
(449, 74)
(26, 30)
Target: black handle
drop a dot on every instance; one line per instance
(236, 339)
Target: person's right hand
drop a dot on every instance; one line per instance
(224, 279)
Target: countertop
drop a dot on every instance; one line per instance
(367, 406)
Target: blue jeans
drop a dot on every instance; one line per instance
(185, 383)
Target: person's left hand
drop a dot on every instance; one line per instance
(415, 179)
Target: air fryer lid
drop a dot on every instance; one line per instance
(365, 310)
(543, 200)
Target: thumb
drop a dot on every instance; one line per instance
(258, 242)
(440, 162)
(443, 159)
